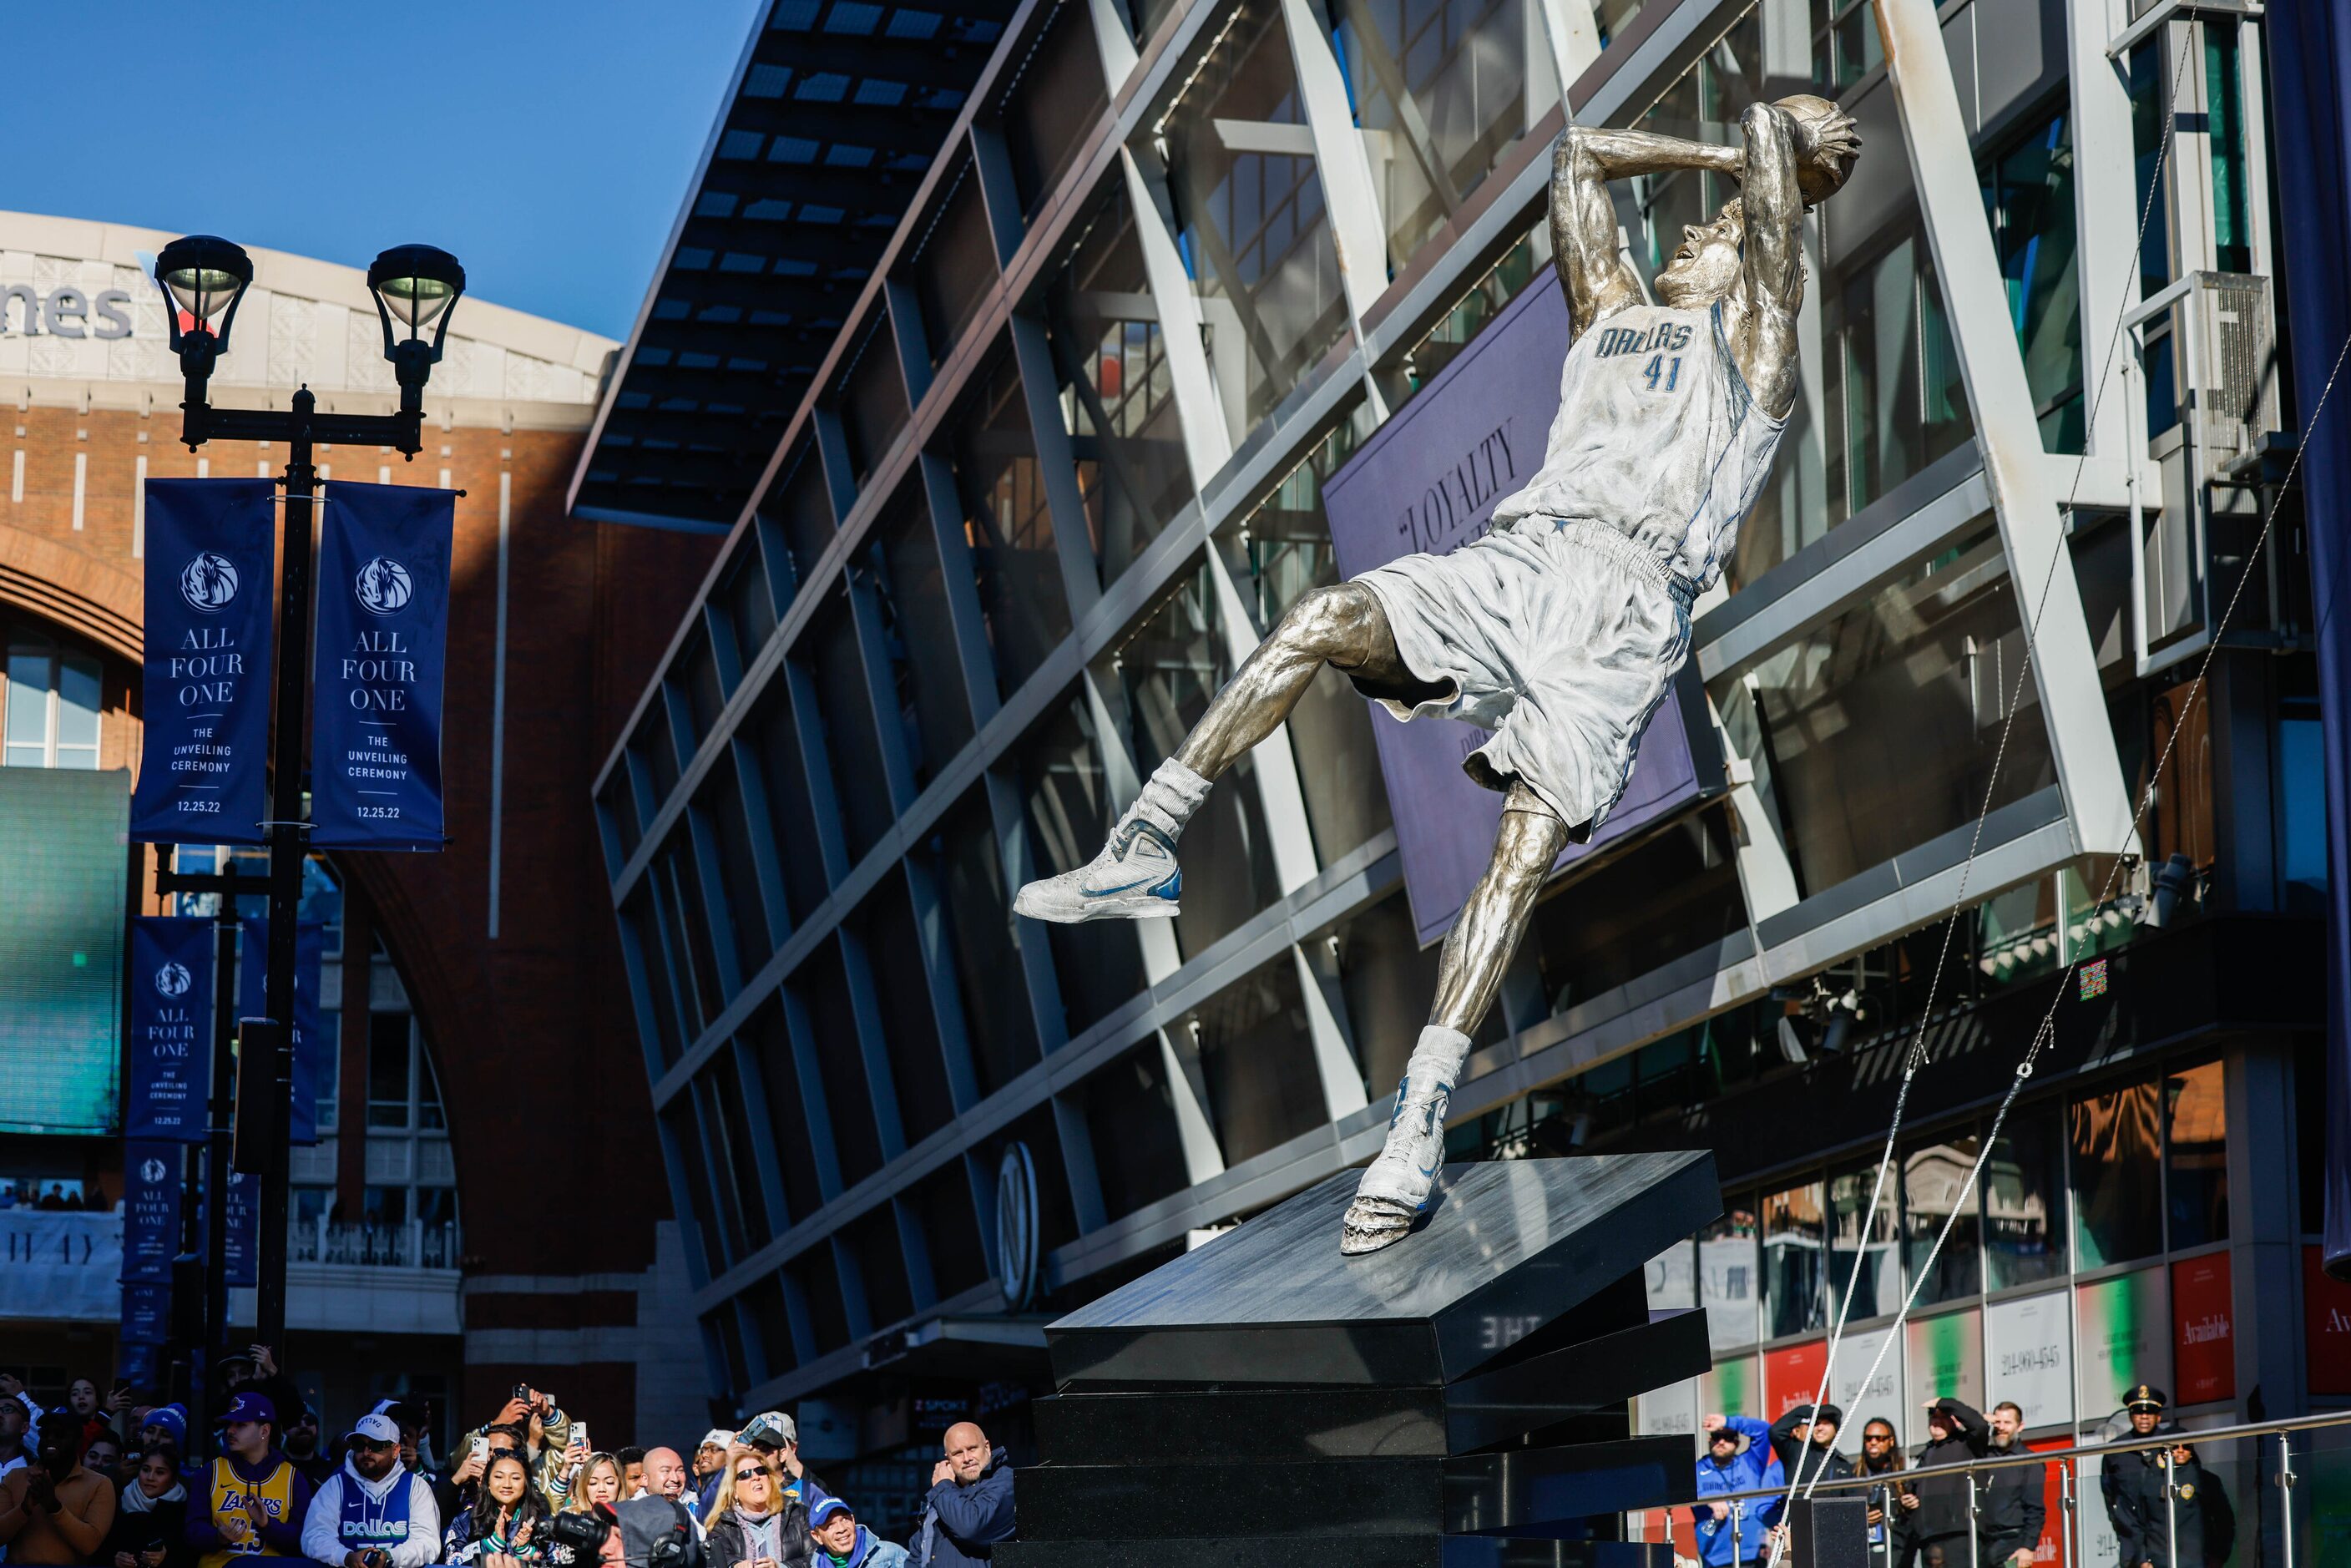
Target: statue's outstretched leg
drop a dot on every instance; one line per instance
(1469, 972)
(1136, 876)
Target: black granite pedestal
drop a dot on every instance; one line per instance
(1454, 1401)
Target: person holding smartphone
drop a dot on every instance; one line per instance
(151, 1518)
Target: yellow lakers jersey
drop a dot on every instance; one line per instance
(258, 1503)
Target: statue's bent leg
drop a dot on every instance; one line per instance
(1342, 625)
(1135, 876)
(1477, 950)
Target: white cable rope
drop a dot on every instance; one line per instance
(1915, 1057)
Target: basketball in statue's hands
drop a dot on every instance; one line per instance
(1826, 145)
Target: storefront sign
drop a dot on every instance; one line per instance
(171, 1031)
(1735, 1387)
(204, 679)
(151, 1211)
(2032, 1357)
(2325, 1326)
(1669, 1412)
(1427, 481)
(1943, 1357)
(383, 626)
(311, 1042)
(1861, 1394)
(1792, 1375)
(2203, 1336)
(2123, 1336)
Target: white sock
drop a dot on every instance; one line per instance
(1436, 1059)
(1169, 797)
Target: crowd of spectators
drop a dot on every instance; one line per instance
(1923, 1510)
(105, 1481)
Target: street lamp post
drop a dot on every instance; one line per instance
(415, 288)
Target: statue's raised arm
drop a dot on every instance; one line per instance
(1780, 152)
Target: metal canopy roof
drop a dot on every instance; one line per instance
(836, 111)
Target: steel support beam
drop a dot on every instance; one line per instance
(2064, 665)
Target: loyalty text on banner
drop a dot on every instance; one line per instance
(310, 1043)
(1427, 481)
(383, 626)
(205, 682)
(150, 1210)
(170, 1026)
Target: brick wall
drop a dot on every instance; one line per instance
(531, 1031)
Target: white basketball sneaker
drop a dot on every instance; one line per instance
(1135, 877)
(1396, 1186)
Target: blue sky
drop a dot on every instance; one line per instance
(549, 145)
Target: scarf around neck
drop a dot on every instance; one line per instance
(136, 1500)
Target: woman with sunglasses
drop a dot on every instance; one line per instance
(754, 1522)
(373, 1513)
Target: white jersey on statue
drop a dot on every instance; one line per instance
(1657, 437)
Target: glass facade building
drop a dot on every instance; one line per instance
(1061, 469)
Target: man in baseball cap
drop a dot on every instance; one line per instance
(251, 1501)
(373, 1513)
(842, 1542)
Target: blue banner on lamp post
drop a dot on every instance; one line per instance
(241, 1251)
(210, 560)
(170, 1026)
(151, 1211)
(309, 1038)
(383, 626)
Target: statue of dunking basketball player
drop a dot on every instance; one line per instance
(1561, 630)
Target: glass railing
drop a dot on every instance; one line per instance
(410, 1245)
(2270, 1494)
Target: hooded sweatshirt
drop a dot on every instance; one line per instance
(396, 1515)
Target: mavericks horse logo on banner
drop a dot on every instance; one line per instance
(209, 581)
(384, 587)
(171, 981)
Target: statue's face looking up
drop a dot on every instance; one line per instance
(1704, 267)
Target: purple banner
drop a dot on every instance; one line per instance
(1427, 481)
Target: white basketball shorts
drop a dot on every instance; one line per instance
(1562, 637)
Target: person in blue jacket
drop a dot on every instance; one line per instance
(1737, 1458)
(970, 1506)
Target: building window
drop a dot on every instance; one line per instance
(2195, 1156)
(1440, 88)
(2028, 195)
(55, 696)
(2117, 1188)
(1117, 393)
(1014, 553)
(1897, 401)
(1255, 234)
(1794, 1279)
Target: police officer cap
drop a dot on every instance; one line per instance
(2144, 1397)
